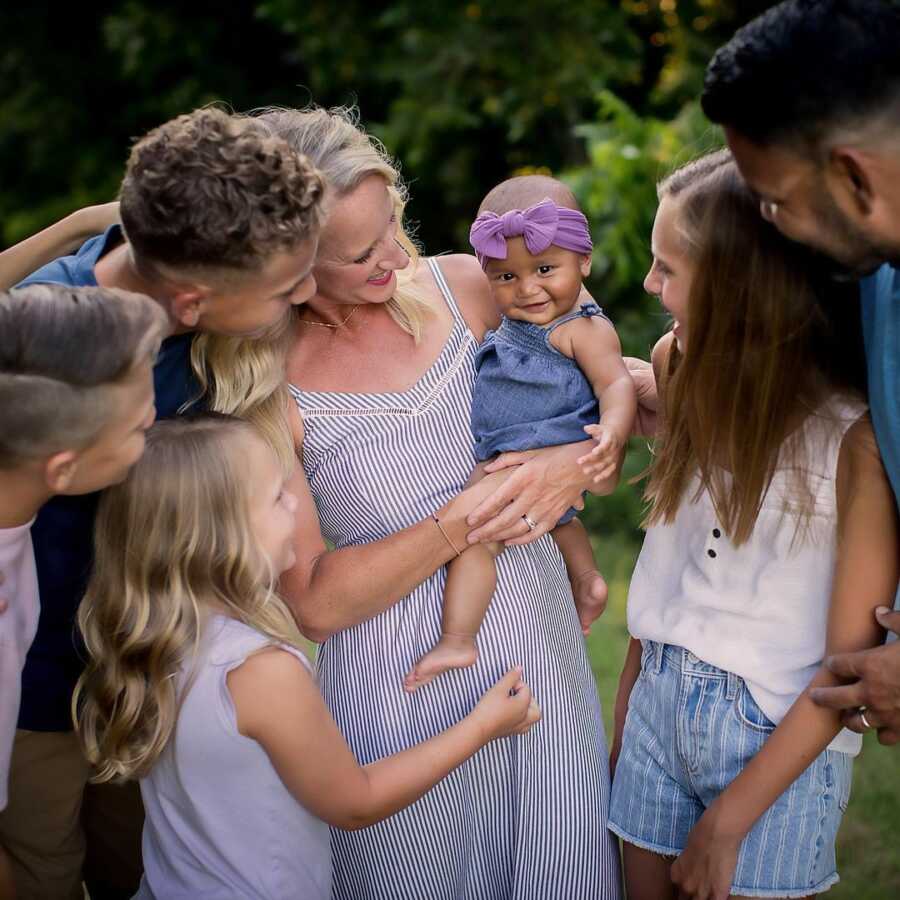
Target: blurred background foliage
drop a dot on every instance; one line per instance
(602, 94)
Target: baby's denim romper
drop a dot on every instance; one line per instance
(527, 394)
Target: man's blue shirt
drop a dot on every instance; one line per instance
(881, 330)
(63, 531)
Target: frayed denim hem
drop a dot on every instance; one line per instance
(736, 890)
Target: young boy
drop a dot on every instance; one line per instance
(76, 394)
(221, 226)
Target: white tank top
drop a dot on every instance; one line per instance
(759, 610)
(220, 823)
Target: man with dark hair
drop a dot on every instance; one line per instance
(809, 97)
(221, 225)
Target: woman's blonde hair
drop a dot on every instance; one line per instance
(754, 366)
(336, 144)
(246, 377)
(171, 542)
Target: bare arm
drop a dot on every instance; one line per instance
(329, 591)
(647, 380)
(631, 669)
(64, 236)
(594, 345)
(313, 760)
(865, 577)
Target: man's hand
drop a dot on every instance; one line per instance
(876, 692)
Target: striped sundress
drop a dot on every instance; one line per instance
(525, 818)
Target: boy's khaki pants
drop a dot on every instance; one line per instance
(58, 830)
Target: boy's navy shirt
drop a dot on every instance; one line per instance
(63, 531)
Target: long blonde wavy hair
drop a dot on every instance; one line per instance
(172, 543)
(246, 377)
(337, 145)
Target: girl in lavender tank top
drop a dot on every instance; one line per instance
(198, 684)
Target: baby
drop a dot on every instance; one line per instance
(542, 377)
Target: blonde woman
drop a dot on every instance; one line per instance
(381, 368)
(185, 634)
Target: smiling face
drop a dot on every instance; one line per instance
(539, 288)
(359, 253)
(825, 210)
(672, 271)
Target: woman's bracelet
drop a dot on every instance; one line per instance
(437, 522)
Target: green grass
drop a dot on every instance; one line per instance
(869, 840)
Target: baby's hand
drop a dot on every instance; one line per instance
(507, 708)
(601, 462)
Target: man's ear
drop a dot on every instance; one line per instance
(852, 175)
(188, 302)
(60, 469)
(586, 265)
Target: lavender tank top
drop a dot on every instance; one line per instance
(219, 821)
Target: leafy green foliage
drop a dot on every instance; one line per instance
(463, 93)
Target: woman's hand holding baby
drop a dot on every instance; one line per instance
(546, 483)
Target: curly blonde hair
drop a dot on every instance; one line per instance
(171, 542)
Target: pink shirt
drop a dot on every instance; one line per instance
(19, 587)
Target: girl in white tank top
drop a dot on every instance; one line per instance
(772, 539)
(198, 685)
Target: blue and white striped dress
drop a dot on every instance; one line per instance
(525, 818)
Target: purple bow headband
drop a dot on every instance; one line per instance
(540, 225)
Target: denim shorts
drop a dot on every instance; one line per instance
(690, 730)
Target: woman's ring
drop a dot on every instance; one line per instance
(530, 523)
(862, 715)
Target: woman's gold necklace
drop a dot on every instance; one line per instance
(340, 324)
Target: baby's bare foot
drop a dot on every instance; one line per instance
(452, 651)
(590, 593)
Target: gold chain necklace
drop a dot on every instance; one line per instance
(340, 324)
